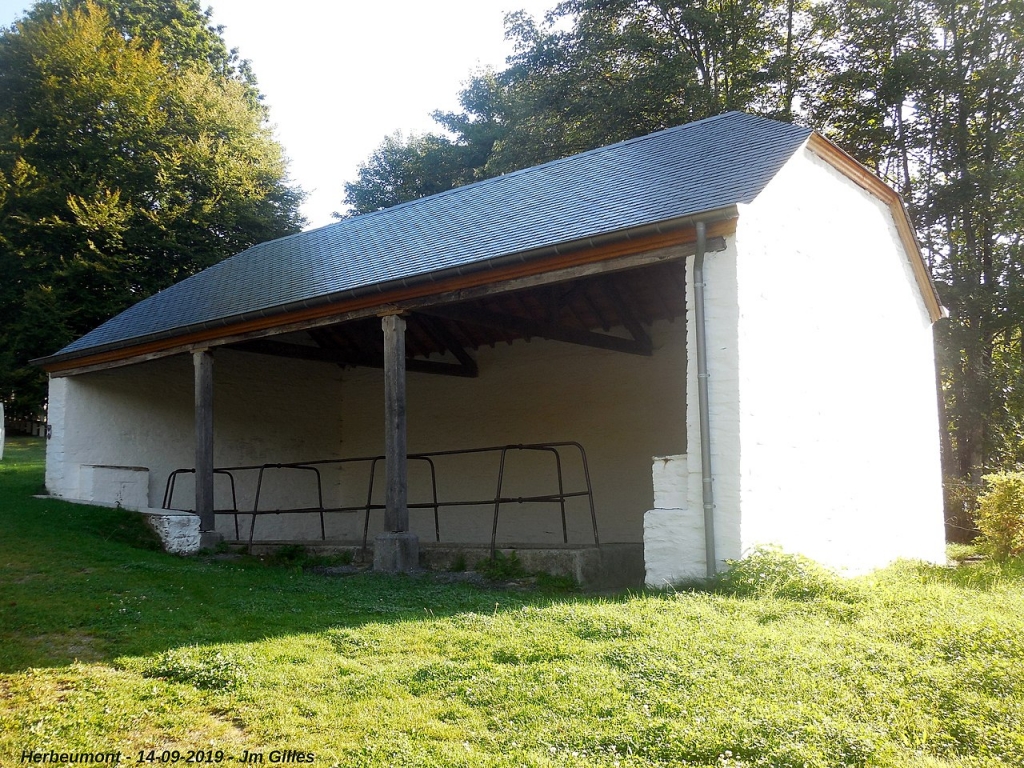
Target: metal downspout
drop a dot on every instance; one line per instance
(707, 492)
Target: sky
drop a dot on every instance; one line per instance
(340, 75)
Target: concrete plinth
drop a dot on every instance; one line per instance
(210, 539)
(396, 552)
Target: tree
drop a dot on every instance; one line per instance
(599, 71)
(181, 28)
(121, 172)
(930, 93)
(627, 67)
(402, 169)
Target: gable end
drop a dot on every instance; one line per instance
(861, 176)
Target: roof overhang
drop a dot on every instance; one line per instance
(861, 176)
(619, 250)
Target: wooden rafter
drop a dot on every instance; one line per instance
(363, 359)
(648, 252)
(527, 327)
(626, 315)
(589, 301)
(446, 339)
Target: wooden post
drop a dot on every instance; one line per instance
(202, 362)
(396, 510)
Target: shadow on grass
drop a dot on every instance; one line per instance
(84, 583)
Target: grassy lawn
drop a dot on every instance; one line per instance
(108, 646)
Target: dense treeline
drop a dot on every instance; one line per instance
(134, 151)
(927, 93)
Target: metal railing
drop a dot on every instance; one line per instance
(435, 504)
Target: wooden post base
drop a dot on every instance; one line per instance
(396, 552)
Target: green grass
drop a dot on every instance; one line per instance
(107, 645)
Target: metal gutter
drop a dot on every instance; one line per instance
(704, 411)
(424, 279)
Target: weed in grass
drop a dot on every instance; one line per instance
(298, 558)
(960, 553)
(343, 558)
(133, 529)
(203, 668)
(547, 582)
(289, 555)
(770, 572)
(501, 567)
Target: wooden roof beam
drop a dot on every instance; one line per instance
(446, 339)
(320, 355)
(626, 314)
(526, 327)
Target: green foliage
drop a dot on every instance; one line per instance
(501, 567)
(202, 667)
(291, 554)
(596, 72)
(298, 557)
(959, 553)
(770, 572)
(133, 153)
(960, 499)
(180, 29)
(131, 528)
(622, 69)
(401, 169)
(1000, 515)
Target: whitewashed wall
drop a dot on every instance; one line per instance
(839, 432)
(824, 417)
(674, 539)
(265, 409)
(624, 409)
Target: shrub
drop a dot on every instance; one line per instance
(769, 572)
(1000, 515)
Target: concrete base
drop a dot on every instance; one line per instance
(179, 531)
(674, 546)
(396, 552)
(210, 539)
(605, 568)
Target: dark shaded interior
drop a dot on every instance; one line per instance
(581, 311)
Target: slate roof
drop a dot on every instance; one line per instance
(678, 172)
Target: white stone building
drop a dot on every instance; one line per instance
(558, 302)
